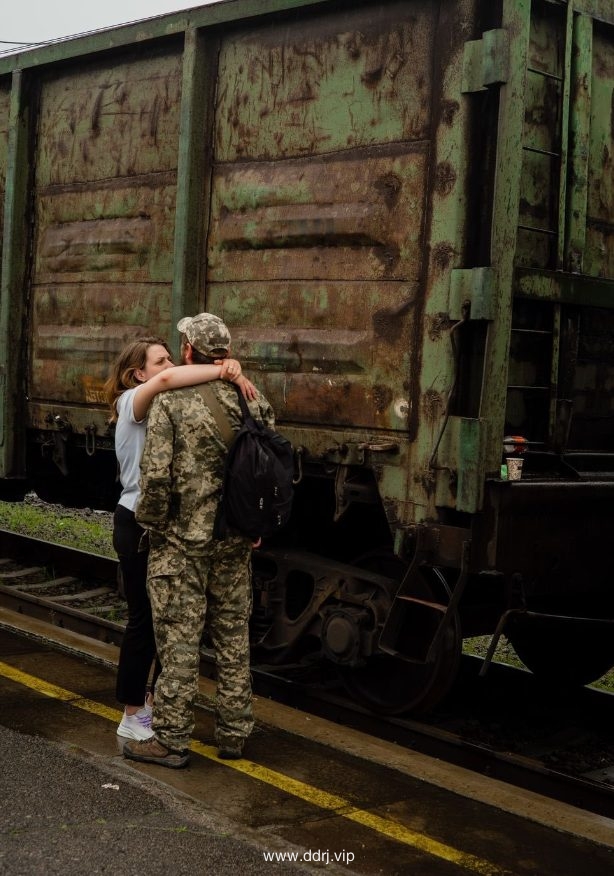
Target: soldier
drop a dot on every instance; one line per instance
(190, 573)
(142, 370)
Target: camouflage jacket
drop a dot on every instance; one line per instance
(183, 463)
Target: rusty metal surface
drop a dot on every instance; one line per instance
(5, 101)
(559, 355)
(327, 83)
(456, 117)
(109, 119)
(356, 216)
(599, 253)
(542, 134)
(315, 264)
(104, 219)
(542, 138)
(318, 281)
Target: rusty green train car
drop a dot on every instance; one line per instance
(404, 211)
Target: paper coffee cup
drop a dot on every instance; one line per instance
(514, 468)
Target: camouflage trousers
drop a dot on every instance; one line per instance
(185, 590)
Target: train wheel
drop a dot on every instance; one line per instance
(564, 653)
(390, 685)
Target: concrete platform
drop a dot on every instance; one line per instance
(332, 798)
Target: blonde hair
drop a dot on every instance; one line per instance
(132, 358)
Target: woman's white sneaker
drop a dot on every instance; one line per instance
(137, 726)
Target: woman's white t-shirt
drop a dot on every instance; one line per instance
(129, 443)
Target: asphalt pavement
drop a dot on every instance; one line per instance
(66, 811)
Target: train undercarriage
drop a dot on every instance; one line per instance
(534, 567)
(332, 590)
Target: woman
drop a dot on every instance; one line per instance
(142, 370)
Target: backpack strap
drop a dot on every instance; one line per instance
(247, 414)
(218, 413)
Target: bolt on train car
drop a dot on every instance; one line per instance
(404, 211)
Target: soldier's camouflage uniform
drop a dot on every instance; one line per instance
(190, 574)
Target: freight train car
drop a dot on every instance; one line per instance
(404, 210)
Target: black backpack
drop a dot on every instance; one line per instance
(257, 490)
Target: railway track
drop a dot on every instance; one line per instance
(506, 726)
(62, 586)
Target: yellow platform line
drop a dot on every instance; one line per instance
(310, 794)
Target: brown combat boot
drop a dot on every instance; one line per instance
(153, 751)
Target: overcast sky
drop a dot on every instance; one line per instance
(24, 21)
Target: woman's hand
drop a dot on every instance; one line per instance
(247, 388)
(231, 369)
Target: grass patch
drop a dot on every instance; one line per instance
(504, 653)
(83, 529)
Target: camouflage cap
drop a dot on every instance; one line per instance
(205, 332)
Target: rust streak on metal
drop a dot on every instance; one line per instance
(442, 255)
(438, 324)
(445, 178)
(449, 109)
(432, 405)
